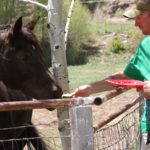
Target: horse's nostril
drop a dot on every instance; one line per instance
(57, 93)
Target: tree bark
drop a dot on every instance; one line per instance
(59, 64)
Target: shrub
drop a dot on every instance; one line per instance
(116, 46)
(78, 32)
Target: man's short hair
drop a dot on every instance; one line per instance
(139, 7)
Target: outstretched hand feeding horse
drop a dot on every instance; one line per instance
(22, 68)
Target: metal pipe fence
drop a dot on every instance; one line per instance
(124, 134)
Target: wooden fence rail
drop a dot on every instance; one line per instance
(55, 103)
(82, 131)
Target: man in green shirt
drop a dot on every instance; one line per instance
(138, 68)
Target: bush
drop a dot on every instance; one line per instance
(78, 32)
(116, 46)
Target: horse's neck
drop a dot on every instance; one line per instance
(16, 95)
(7, 94)
(5, 27)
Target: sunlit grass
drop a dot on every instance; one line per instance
(96, 69)
(108, 27)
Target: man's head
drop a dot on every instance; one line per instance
(141, 13)
(140, 7)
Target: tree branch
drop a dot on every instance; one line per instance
(69, 19)
(36, 3)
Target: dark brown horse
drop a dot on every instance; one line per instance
(22, 68)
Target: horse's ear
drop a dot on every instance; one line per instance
(17, 26)
(31, 25)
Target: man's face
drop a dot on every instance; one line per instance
(143, 22)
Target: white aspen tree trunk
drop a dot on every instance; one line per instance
(58, 51)
(59, 64)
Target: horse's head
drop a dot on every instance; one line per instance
(21, 63)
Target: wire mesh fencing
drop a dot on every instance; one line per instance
(50, 140)
(122, 135)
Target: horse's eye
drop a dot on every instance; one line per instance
(12, 49)
(27, 56)
(33, 47)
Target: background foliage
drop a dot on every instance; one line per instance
(86, 37)
(79, 32)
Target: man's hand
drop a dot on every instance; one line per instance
(82, 91)
(145, 90)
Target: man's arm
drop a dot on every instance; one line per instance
(98, 86)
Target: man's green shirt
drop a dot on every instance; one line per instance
(139, 69)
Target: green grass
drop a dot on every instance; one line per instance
(108, 27)
(97, 68)
(105, 63)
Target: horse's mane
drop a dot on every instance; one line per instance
(29, 35)
(3, 27)
(25, 32)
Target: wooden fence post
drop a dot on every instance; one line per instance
(82, 131)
